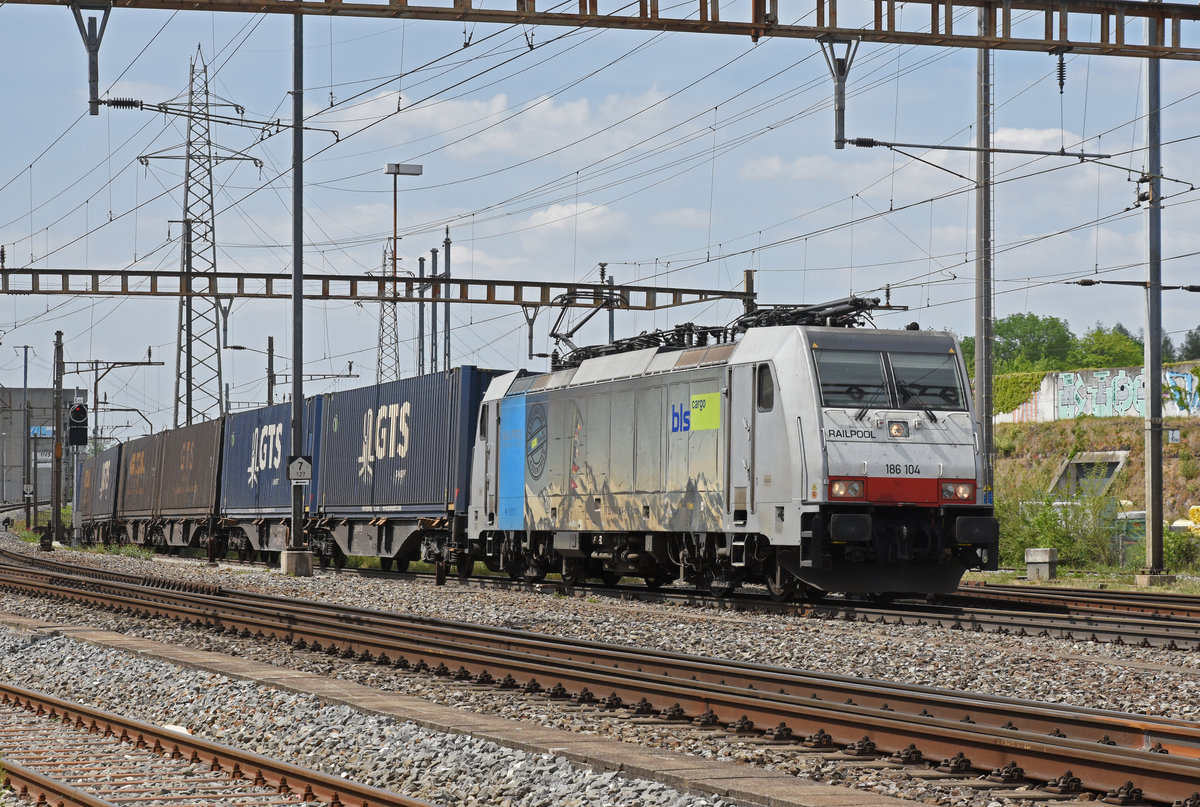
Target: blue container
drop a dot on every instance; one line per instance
(258, 443)
(401, 448)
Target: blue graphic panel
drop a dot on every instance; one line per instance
(511, 490)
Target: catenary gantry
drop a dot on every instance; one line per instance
(1100, 27)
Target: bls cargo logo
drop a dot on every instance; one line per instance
(702, 413)
(384, 435)
(266, 450)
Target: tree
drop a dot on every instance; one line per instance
(1026, 342)
(1169, 353)
(967, 343)
(1189, 348)
(1107, 347)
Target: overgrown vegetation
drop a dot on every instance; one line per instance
(1013, 390)
(1084, 530)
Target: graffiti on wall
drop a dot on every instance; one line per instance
(1102, 393)
(1183, 390)
(1116, 393)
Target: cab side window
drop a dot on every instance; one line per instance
(766, 388)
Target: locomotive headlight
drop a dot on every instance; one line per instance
(897, 428)
(846, 489)
(958, 491)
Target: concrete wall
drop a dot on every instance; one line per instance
(1118, 392)
(12, 441)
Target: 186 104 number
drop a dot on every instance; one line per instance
(896, 468)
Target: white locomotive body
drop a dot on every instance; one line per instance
(807, 458)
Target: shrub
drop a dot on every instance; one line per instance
(1082, 528)
(1181, 551)
(1188, 467)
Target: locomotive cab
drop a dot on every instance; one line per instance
(891, 500)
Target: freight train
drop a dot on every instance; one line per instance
(785, 449)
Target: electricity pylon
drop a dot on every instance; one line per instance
(198, 374)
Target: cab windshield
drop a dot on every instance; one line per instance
(867, 379)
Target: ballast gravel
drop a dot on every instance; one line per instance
(335, 739)
(1151, 681)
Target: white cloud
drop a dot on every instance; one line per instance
(681, 218)
(582, 217)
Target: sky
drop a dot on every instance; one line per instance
(676, 159)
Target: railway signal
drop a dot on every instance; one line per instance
(77, 425)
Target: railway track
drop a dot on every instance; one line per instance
(1068, 749)
(63, 753)
(1079, 600)
(1128, 618)
(1147, 621)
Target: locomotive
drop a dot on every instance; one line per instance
(786, 449)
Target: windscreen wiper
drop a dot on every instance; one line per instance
(909, 395)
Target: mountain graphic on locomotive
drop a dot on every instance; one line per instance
(786, 449)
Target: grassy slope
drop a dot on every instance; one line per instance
(1028, 454)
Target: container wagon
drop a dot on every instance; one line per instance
(96, 495)
(185, 508)
(395, 468)
(256, 495)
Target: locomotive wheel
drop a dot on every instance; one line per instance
(780, 584)
(781, 592)
(534, 573)
(573, 572)
(385, 564)
(339, 558)
(811, 594)
(400, 565)
(719, 587)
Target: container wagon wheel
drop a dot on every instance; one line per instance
(657, 579)
(464, 565)
(609, 578)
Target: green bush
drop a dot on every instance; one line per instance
(1188, 467)
(1082, 528)
(1181, 551)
